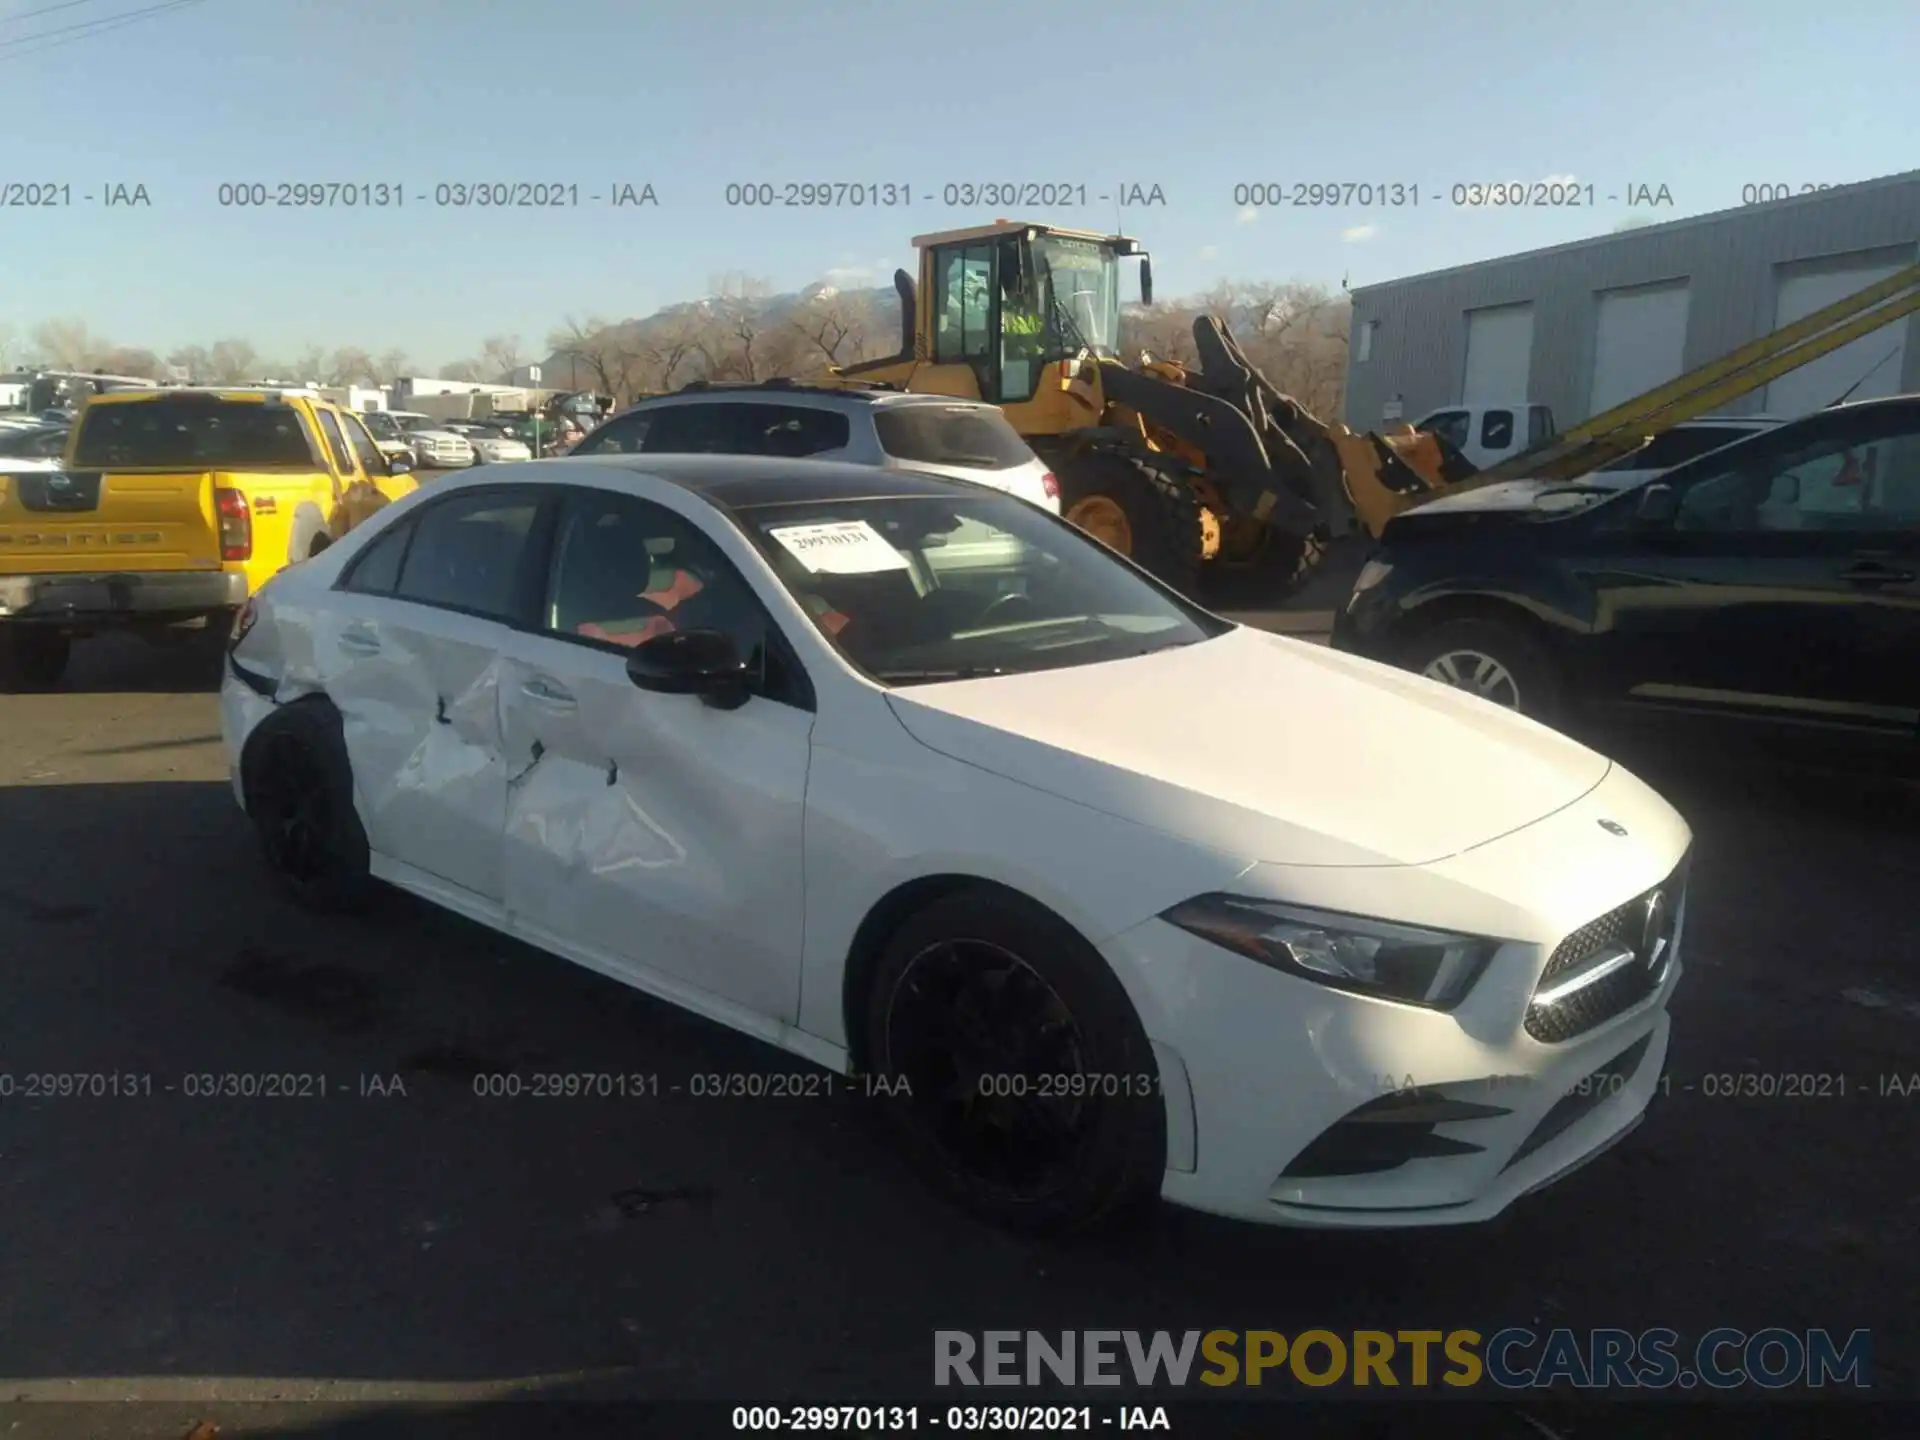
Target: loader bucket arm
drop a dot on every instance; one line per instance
(1238, 463)
(1309, 460)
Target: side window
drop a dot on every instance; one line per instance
(1496, 430)
(965, 278)
(467, 551)
(1844, 480)
(682, 430)
(1450, 426)
(626, 435)
(337, 449)
(795, 431)
(376, 568)
(371, 460)
(626, 571)
(1895, 494)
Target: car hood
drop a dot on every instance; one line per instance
(1503, 503)
(1257, 745)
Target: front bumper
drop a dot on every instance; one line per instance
(1363, 625)
(1314, 1107)
(119, 596)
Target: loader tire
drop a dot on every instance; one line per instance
(1149, 515)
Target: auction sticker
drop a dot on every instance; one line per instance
(842, 547)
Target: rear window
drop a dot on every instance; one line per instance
(198, 435)
(962, 435)
(1676, 447)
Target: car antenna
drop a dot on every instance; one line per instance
(1863, 379)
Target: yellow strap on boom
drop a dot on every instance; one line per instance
(1629, 426)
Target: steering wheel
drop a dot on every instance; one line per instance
(1007, 608)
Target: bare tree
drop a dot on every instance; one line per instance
(1164, 331)
(231, 361)
(193, 360)
(8, 343)
(125, 360)
(599, 350)
(311, 363)
(472, 370)
(499, 357)
(349, 365)
(838, 326)
(67, 344)
(389, 365)
(665, 348)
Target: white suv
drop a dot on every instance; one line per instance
(964, 439)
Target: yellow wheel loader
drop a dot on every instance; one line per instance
(1180, 468)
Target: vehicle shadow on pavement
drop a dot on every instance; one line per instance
(292, 1146)
(125, 663)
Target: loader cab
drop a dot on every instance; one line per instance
(1008, 300)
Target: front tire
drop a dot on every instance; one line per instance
(1148, 514)
(1017, 1075)
(298, 782)
(1494, 660)
(32, 658)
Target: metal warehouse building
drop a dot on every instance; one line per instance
(1584, 326)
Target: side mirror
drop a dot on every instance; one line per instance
(692, 662)
(399, 465)
(1658, 505)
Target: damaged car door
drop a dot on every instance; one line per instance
(655, 835)
(413, 663)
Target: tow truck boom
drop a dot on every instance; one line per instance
(1630, 426)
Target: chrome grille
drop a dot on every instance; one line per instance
(1620, 989)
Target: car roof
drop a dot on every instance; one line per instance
(745, 481)
(857, 392)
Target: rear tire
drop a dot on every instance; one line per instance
(1493, 659)
(1158, 511)
(298, 782)
(32, 658)
(979, 1002)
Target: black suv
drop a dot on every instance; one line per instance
(1771, 588)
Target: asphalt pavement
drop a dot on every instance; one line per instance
(386, 1233)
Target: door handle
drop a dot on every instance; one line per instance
(360, 642)
(1874, 572)
(546, 692)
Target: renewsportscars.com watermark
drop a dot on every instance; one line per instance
(1510, 1359)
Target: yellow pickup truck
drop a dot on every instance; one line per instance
(170, 508)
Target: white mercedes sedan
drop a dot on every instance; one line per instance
(1102, 896)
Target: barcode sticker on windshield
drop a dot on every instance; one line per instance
(844, 547)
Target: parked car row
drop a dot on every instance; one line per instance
(447, 444)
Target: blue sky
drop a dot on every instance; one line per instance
(1194, 98)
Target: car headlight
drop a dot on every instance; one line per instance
(1434, 968)
(1371, 574)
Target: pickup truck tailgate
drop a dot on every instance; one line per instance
(58, 521)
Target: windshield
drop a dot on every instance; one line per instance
(1080, 285)
(915, 590)
(1677, 446)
